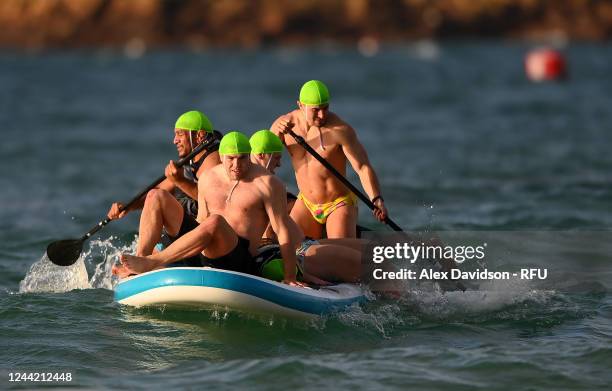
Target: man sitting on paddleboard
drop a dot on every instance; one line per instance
(323, 200)
(318, 262)
(237, 199)
(170, 210)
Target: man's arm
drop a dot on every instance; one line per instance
(176, 177)
(187, 186)
(358, 158)
(281, 126)
(203, 212)
(275, 202)
(113, 212)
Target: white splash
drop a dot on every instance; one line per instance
(491, 296)
(109, 253)
(44, 276)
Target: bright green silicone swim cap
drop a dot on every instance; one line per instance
(193, 120)
(264, 141)
(234, 143)
(273, 270)
(315, 93)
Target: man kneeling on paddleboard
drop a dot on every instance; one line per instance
(237, 199)
(170, 210)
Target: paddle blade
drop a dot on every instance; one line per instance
(65, 252)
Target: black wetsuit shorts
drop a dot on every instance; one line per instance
(238, 260)
(188, 224)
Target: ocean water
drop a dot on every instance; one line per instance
(460, 140)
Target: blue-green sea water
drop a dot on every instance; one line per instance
(460, 140)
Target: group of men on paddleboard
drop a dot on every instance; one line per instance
(241, 220)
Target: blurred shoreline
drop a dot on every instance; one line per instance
(194, 24)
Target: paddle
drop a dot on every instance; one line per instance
(66, 252)
(300, 140)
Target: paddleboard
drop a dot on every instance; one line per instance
(210, 287)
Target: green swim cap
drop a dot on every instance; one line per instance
(234, 143)
(314, 93)
(193, 120)
(264, 141)
(273, 270)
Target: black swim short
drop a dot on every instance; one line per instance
(238, 260)
(188, 224)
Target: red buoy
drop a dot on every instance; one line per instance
(545, 65)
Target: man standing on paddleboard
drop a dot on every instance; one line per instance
(323, 200)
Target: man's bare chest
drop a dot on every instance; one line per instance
(233, 198)
(324, 143)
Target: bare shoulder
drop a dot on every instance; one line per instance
(211, 174)
(212, 159)
(209, 162)
(290, 116)
(268, 183)
(340, 127)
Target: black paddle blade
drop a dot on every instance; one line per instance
(65, 252)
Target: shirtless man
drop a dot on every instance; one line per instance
(169, 210)
(319, 262)
(237, 199)
(323, 199)
(324, 260)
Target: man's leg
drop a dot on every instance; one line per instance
(333, 263)
(354, 243)
(302, 217)
(342, 223)
(214, 236)
(160, 210)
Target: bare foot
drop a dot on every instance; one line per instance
(138, 264)
(121, 271)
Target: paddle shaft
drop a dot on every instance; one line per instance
(300, 140)
(180, 163)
